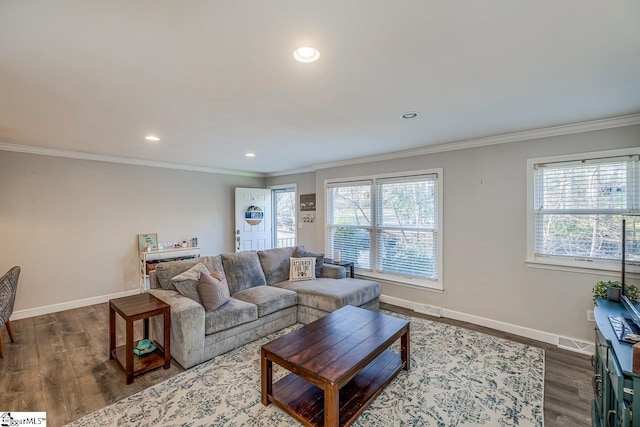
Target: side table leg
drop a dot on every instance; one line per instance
(266, 376)
(112, 331)
(145, 327)
(405, 352)
(128, 349)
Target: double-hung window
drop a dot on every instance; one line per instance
(389, 226)
(577, 206)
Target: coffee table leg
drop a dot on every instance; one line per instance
(266, 366)
(331, 405)
(167, 338)
(405, 353)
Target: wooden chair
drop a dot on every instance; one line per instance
(8, 287)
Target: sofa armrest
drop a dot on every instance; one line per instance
(332, 271)
(187, 327)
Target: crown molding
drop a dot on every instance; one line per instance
(290, 172)
(117, 159)
(593, 125)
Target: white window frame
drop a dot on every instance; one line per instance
(612, 267)
(419, 282)
(274, 227)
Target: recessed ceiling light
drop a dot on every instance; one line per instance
(249, 155)
(306, 54)
(152, 138)
(410, 115)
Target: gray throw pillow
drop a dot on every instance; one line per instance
(213, 290)
(301, 252)
(243, 270)
(187, 282)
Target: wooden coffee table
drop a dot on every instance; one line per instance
(339, 364)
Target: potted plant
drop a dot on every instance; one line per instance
(613, 290)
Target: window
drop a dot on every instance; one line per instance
(389, 226)
(284, 210)
(577, 207)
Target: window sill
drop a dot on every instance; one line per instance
(422, 284)
(633, 272)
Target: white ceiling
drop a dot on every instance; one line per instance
(216, 79)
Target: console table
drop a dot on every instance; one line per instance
(614, 383)
(146, 258)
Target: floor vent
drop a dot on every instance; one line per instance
(428, 309)
(578, 346)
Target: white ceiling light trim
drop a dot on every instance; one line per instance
(152, 138)
(249, 155)
(306, 54)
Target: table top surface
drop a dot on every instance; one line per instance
(336, 345)
(137, 304)
(343, 263)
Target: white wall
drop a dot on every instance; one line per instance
(484, 229)
(72, 225)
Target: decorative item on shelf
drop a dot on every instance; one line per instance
(147, 240)
(144, 346)
(184, 243)
(194, 242)
(613, 290)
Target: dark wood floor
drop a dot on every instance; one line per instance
(60, 365)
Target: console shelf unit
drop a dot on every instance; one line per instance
(165, 255)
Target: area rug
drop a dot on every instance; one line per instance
(458, 378)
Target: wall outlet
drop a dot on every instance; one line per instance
(590, 317)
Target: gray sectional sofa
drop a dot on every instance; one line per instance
(263, 301)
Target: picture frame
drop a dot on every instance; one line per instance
(308, 202)
(144, 239)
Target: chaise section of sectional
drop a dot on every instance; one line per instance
(317, 298)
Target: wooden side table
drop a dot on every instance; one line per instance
(346, 264)
(132, 308)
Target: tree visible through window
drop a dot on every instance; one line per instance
(579, 206)
(284, 207)
(387, 225)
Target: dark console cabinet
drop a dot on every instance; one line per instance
(614, 383)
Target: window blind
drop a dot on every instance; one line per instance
(579, 206)
(406, 225)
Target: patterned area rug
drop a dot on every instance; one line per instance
(458, 378)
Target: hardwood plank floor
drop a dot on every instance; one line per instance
(60, 365)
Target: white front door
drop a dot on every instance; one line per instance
(253, 219)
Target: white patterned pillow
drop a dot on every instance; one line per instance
(302, 269)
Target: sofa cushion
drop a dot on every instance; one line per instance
(166, 270)
(187, 282)
(213, 290)
(331, 294)
(302, 269)
(243, 270)
(233, 313)
(275, 264)
(301, 252)
(267, 298)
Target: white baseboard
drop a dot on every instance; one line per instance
(54, 308)
(566, 343)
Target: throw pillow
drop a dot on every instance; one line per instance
(187, 282)
(243, 270)
(301, 252)
(213, 290)
(302, 269)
